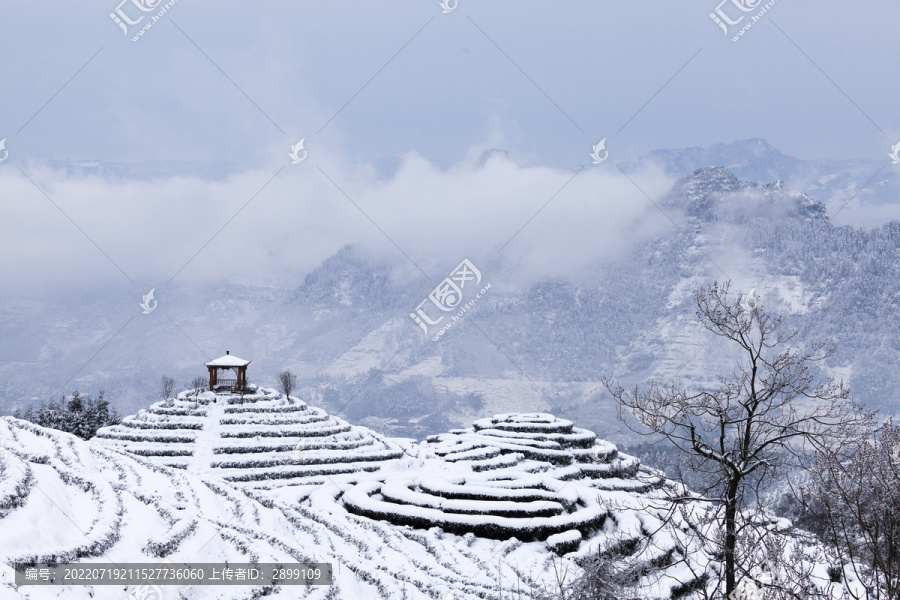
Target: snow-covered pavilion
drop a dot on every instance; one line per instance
(227, 362)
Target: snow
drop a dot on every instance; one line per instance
(229, 360)
(250, 439)
(397, 519)
(372, 352)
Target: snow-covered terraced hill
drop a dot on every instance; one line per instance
(504, 440)
(514, 477)
(259, 440)
(487, 512)
(63, 499)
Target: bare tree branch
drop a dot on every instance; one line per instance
(773, 408)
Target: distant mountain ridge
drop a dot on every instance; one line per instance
(832, 182)
(700, 193)
(537, 344)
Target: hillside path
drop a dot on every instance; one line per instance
(207, 438)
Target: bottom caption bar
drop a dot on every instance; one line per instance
(170, 573)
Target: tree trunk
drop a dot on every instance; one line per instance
(730, 536)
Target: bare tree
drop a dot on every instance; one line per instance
(761, 418)
(166, 386)
(855, 491)
(288, 382)
(198, 384)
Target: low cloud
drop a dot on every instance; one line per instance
(252, 226)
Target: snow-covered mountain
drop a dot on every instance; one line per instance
(831, 182)
(532, 343)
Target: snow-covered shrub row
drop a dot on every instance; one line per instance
(623, 466)
(314, 444)
(302, 472)
(135, 424)
(16, 481)
(231, 410)
(567, 541)
(252, 394)
(644, 482)
(307, 458)
(136, 435)
(404, 493)
(525, 423)
(601, 452)
(474, 454)
(579, 439)
(295, 432)
(308, 417)
(563, 473)
(503, 461)
(169, 541)
(362, 500)
(452, 445)
(165, 451)
(445, 444)
(258, 401)
(270, 421)
(456, 488)
(179, 411)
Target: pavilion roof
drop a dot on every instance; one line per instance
(228, 360)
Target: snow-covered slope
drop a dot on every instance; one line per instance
(450, 526)
(491, 511)
(65, 500)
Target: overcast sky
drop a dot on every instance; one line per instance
(152, 152)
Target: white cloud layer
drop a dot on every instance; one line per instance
(151, 229)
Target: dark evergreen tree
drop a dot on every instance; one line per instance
(76, 403)
(82, 415)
